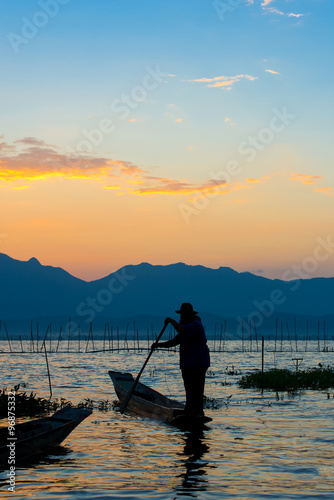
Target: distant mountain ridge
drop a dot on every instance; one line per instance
(31, 290)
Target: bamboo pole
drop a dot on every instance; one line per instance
(47, 366)
(134, 335)
(104, 337)
(214, 338)
(37, 337)
(59, 338)
(220, 337)
(69, 335)
(262, 378)
(289, 338)
(43, 342)
(126, 337)
(32, 339)
(224, 338)
(281, 335)
(296, 340)
(91, 326)
(242, 336)
(250, 336)
(90, 334)
(10, 346)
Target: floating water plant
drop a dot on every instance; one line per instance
(28, 405)
(319, 378)
(211, 403)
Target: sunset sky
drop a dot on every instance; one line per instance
(168, 131)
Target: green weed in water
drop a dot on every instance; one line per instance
(29, 405)
(318, 378)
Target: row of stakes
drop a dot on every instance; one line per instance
(112, 340)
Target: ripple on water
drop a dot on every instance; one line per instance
(256, 447)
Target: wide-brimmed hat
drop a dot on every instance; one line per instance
(187, 309)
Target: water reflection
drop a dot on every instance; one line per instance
(57, 455)
(193, 478)
(255, 447)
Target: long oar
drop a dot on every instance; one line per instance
(135, 382)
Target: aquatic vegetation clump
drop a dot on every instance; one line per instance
(211, 403)
(105, 405)
(318, 378)
(26, 405)
(29, 405)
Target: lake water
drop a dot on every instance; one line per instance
(256, 447)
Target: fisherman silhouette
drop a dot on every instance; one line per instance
(194, 355)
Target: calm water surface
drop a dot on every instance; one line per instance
(256, 447)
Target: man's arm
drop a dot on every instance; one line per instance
(173, 342)
(169, 343)
(178, 327)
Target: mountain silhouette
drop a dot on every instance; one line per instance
(31, 290)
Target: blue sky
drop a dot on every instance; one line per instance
(226, 65)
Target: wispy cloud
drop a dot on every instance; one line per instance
(31, 141)
(159, 185)
(254, 181)
(305, 178)
(268, 8)
(229, 122)
(295, 15)
(273, 10)
(32, 159)
(311, 179)
(272, 72)
(224, 81)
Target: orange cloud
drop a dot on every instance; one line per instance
(272, 72)
(272, 10)
(257, 180)
(323, 190)
(228, 120)
(225, 81)
(304, 178)
(295, 15)
(33, 159)
(158, 185)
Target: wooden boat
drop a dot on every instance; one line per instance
(38, 436)
(147, 402)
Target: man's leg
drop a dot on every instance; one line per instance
(194, 380)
